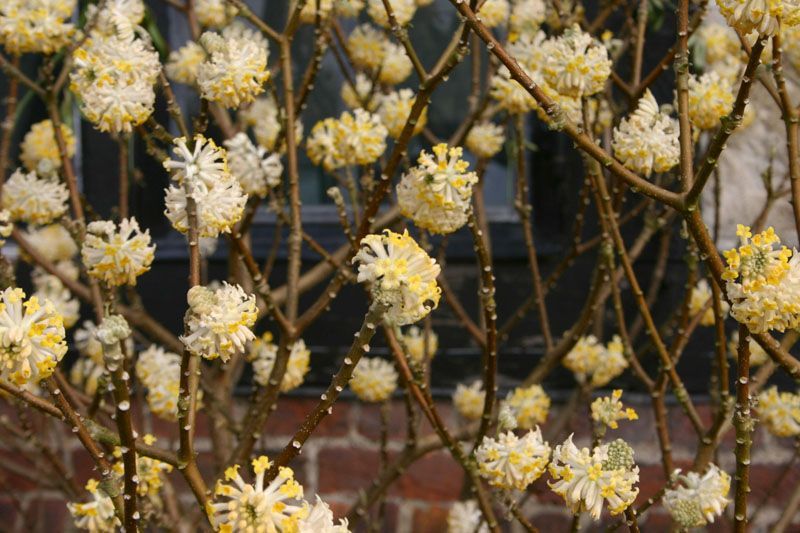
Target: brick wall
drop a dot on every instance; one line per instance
(343, 457)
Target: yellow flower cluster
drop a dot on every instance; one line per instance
(701, 296)
(218, 195)
(401, 276)
(511, 462)
(219, 321)
(29, 198)
(760, 15)
(763, 283)
(159, 372)
(587, 479)
(184, 63)
(710, 98)
(353, 139)
(96, 516)
(575, 64)
(696, 500)
(35, 26)
(374, 379)
(595, 364)
(395, 109)
(780, 412)
(485, 139)
(39, 150)
(150, 472)
(469, 399)
(414, 340)
(528, 405)
(437, 193)
(114, 77)
(262, 355)
(31, 338)
(403, 11)
(240, 506)
(236, 67)
(609, 409)
(117, 255)
(493, 13)
(647, 140)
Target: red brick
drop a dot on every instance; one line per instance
(292, 411)
(765, 479)
(435, 477)
(346, 469)
(369, 421)
(47, 514)
(8, 513)
(430, 519)
(18, 482)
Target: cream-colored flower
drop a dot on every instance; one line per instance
(401, 275)
(511, 462)
(214, 13)
(485, 139)
(50, 288)
(437, 193)
(85, 374)
(414, 340)
(780, 412)
(361, 137)
(219, 321)
(320, 520)
(396, 66)
(374, 379)
(115, 16)
(701, 295)
(39, 149)
(159, 372)
(361, 95)
(348, 8)
(528, 405)
(647, 140)
(607, 410)
(366, 46)
(758, 356)
(52, 241)
(264, 116)
(256, 170)
(710, 98)
(308, 14)
(403, 11)
(262, 355)
(527, 17)
(575, 64)
(469, 399)
(353, 139)
(117, 255)
(184, 63)
(494, 13)
(29, 198)
(395, 108)
(218, 195)
(6, 226)
(763, 284)
(96, 516)
(466, 517)
(595, 364)
(236, 68)
(114, 77)
(276, 506)
(35, 26)
(31, 338)
(150, 472)
(696, 500)
(760, 15)
(587, 479)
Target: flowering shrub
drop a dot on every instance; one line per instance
(405, 183)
